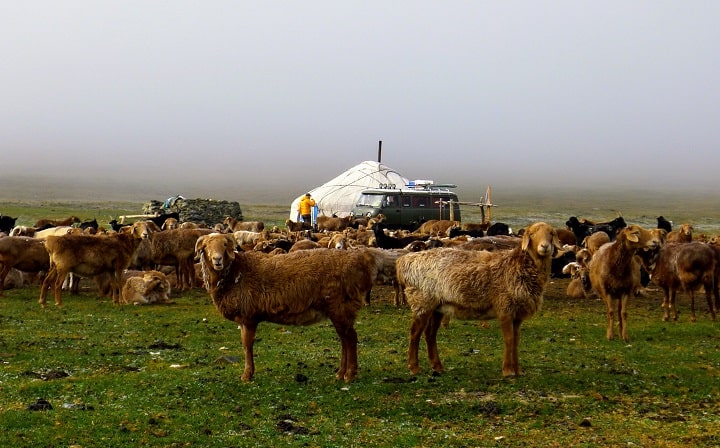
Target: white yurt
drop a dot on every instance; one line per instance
(337, 196)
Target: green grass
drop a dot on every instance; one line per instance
(158, 376)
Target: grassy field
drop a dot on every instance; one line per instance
(168, 375)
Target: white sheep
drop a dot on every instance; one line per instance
(477, 285)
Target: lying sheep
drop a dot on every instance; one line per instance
(299, 288)
(144, 288)
(506, 284)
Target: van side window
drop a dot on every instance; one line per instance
(406, 201)
(420, 201)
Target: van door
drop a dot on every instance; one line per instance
(392, 209)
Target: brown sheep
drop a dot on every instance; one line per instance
(566, 236)
(305, 245)
(23, 253)
(593, 242)
(296, 226)
(683, 266)
(57, 230)
(233, 224)
(88, 256)
(301, 288)
(683, 235)
(14, 279)
(579, 285)
(45, 223)
(170, 223)
(471, 285)
(172, 248)
(145, 287)
(333, 224)
(615, 273)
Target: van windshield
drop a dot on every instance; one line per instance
(371, 200)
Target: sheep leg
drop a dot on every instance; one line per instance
(348, 342)
(47, 281)
(672, 307)
(511, 336)
(609, 305)
(691, 296)
(666, 304)
(3, 274)
(431, 331)
(59, 280)
(417, 328)
(622, 317)
(709, 296)
(247, 334)
(399, 294)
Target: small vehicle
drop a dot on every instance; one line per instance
(407, 208)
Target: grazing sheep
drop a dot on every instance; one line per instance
(296, 226)
(88, 256)
(387, 272)
(233, 224)
(57, 230)
(615, 273)
(682, 266)
(300, 288)
(247, 237)
(23, 253)
(47, 223)
(436, 227)
(507, 285)
(172, 248)
(333, 223)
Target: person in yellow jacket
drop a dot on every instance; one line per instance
(305, 208)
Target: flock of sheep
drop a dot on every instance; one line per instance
(300, 276)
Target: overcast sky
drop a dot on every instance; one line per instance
(288, 94)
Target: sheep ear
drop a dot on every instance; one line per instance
(199, 247)
(556, 243)
(230, 244)
(525, 241)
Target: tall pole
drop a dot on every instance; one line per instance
(380, 151)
